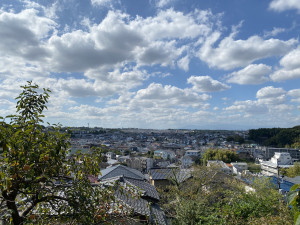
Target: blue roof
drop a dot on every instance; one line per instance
(284, 184)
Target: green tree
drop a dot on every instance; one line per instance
(212, 197)
(37, 178)
(226, 156)
(292, 171)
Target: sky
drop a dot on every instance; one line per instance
(159, 64)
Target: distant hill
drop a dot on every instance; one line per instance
(275, 137)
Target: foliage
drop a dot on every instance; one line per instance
(276, 137)
(38, 179)
(226, 156)
(292, 171)
(212, 197)
(294, 200)
(236, 138)
(254, 168)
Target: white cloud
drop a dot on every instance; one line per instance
(159, 96)
(274, 32)
(290, 67)
(232, 53)
(252, 74)
(101, 2)
(248, 106)
(206, 84)
(170, 24)
(270, 101)
(295, 94)
(291, 60)
(283, 74)
(271, 96)
(163, 3)
(183, 63)
(282, 5)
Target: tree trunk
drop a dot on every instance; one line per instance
(11, 205)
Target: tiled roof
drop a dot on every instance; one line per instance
(169, 173)
(134, 192)
(143, 207)
(120, 170)
(149, 190)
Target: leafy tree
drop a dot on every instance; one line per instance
(294, 200)
(236, 138)
(277, 137)
(226, 156)
(292, 171)
(212, 197)
(38, 179)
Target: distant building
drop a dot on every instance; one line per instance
(279, 160)
(220, 165)
(239, 167)
(196, 153)
(142, 164)
(110, 155)
(269, 152)
(164, 154)
(161, 177)
(186, 161)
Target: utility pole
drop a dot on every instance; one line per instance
(278, 179)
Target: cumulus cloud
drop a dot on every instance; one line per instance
(271, 95)
(295, 94)
(282, 5)
(270, 101)
(206, 84)
(232, 53)
(159, 96)
(183, 63)
(290, 67)
(252, 74)
(163, 3)
(248, 106)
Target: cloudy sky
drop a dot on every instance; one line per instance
(155, 63)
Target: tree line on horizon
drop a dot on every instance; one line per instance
(276, 137)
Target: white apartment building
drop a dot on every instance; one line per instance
(279, 160)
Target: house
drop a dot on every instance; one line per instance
(161, 177)
(239, 167)
(187, 161)
(164, 154)
(220, 165)
(132, 190)
(142, 164)
(120, 170)
(110, 155)
(196, 153)
(279, 160)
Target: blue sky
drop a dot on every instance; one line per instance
(155, 63)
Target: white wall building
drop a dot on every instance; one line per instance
(239, 167)
(279, 160)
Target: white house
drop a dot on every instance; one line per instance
(239, 167)
(279, 160)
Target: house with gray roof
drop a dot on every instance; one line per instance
(166, 176)
(134, 193)
(120, 170)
